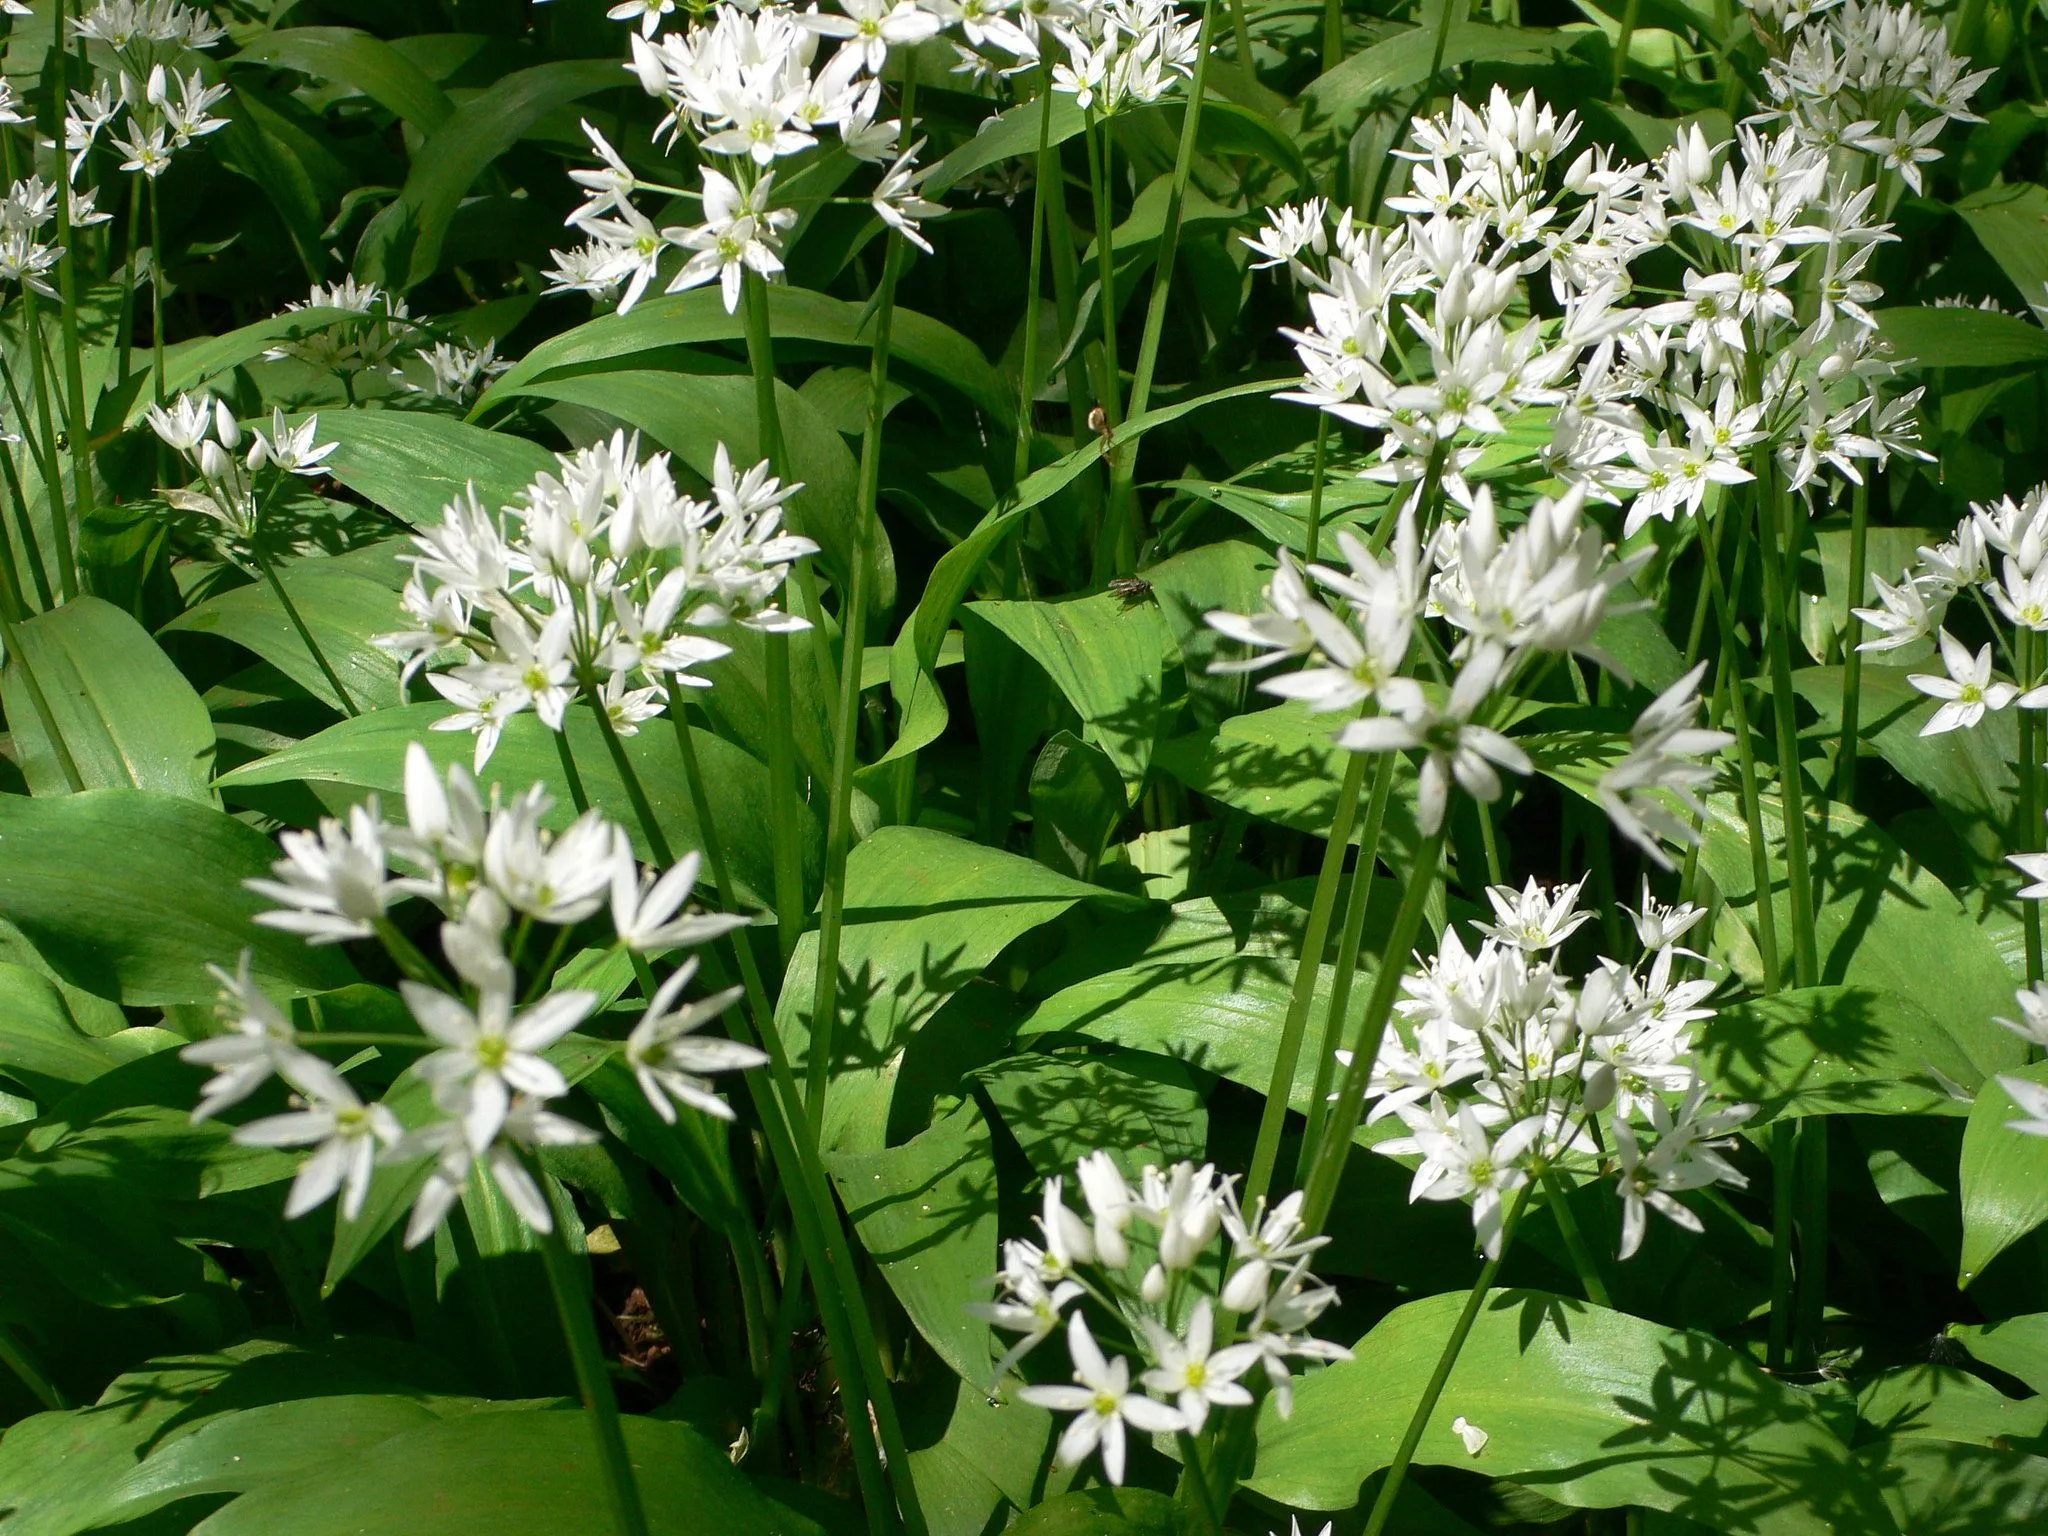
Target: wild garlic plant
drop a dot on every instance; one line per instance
(603, 573)
(1216, 1302)
(149, 99)
(1510, 1073)
(509, 892)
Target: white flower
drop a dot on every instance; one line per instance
(1464, 1163)
(2032, 1100)
(332, 884)
(739, 233)
(1968, 692)
(345, 1133)
(526, 1124)
(898, 203)
(1196, 1377)
(559, 880)
(644, 907)
(1668, 756)
(1457, 748)
(1269, 1243)
(488, 1053)
(1028, 1307)
(2032, 1026)
(1103, 1404)
(671, 1061)
(259, 1041)
(1533, 920)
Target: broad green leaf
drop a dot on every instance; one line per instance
(1232, 575)
(1939, 1488)
(1010, 135)
(368, 754)
(2011, 221)
(1108, 658)
(1835, 1050)
(1077, 799)
(131, 895)
(125, 713)
(43, 1049)
(2005, 1177)
(1101, 1512)
(925, 913)
(691, 414)
(413, 463)
(2017, 1346)
(529, 1473)
(984, 1455)
(192, 364)
(403, 243)
(1336, 100)
(1967, 774)
(1962, 338)
(926, 1212)
(1591, 1408)
(1884, 923)
(1141, 1109)
(918, 342)
(344, 612)
(1209, 988)
(355, 59)
(1945, 1402)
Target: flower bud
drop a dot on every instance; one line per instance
(1599, 1090)
(225, 427)
(1153, 1287)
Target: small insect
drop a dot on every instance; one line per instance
(1098, 423)
(1132, 589)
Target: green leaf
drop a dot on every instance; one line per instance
(1945, 1402)
(1141, 1109)
(2017, 1346)
(131, 895)
(413, 463)
(1108, 659)
(2011, 222)
(927, 1213)
(692, 413)
(985, 1454)
(2005, 1177)
(1101, 1512)
(925, 914)
(126, 714)
(1335, 101)
(1835, 1050)
(403, 243)
(43, 1049)
(190, 364)
(368, 754)
(361, 62)
(513, 1473)
(932, 350)
(343, 610)
(1927, 337)
(1077, 799)
(1938, 1488)
(1591, 1408)
(1009, 136)
(1885, 924)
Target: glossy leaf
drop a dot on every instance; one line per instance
(2005, 1177)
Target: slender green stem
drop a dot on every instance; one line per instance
(1307, 968)
(159, 375)
(1348, 945)
(31, 547)
(17, 1360)
(1315, 485)
(568, 1282)
(785, 799)
(629, 776)
(1784, 702)
(51, 464)
(40, 702)
(1043, 183)
(1333, 1148)
(125, 330)
(1124, 462)
(1194, 1493)
(1784, 1204)
(1852, 640)
(1629, 16)
(1101, 161)
(1557, 1198)
(2030, 798)
(578, 796)
(291, 612)
(1397, 1472)
(1752, 807)
(1333, 34)
(1813, 1239)
(839, 826)
(1447, 13)
(406, 955)
(67, 286)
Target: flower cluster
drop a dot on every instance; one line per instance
(1150, 1258)
(375, 334)
(490, 1078)
(1503, 1067)
(1120, 53)
(602, 573)
(244, 477)
(145, 104)
(1878, 78)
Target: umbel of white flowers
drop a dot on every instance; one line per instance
(482, 864)
(602, 573)
(376, 334)
(1503, 1066)
(1147, 1258)
(746, 87)
(143, 101)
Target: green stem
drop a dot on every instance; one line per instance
(125, 330)
(1100, 163)
(51, 465)
(1813, 1239)
(567, 1280)
(1852, 640)
(291, 612)
(1048, 171)
(1784, 1191)
(1334, 1146)
(67, 287)
(578, 796)
(31, 547)
(2030, 800)
(1558, 1199)
(1123, 465)
(406, 954)
(1315, 487)
(159, 379)
(1390, 1488)
(1784, 701)
(1348, 945)
(782, 813)
(40, 702)
(1242, 31)
(629, 776)
(1307, 968)
(1333, 34)
(1629, 16)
